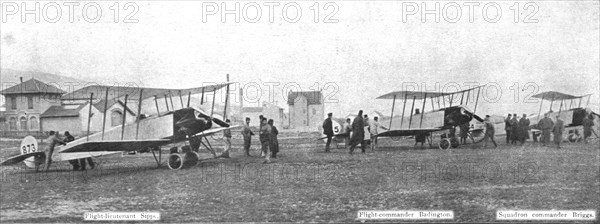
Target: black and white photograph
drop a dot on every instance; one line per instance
(306, 111)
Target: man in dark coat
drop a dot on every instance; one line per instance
(265, 139)
(274, 142)
(508, 128)
(53, 140)
(328, 130)
(247, 133)
(587, 127)
(523, 129)
(358, 133)
(489, 131)
(557, 130)
(514, 123)
(546, 125)
(73, 162)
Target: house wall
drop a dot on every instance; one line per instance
(41, 102)
(62, 124)
(302, 116)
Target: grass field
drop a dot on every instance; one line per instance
(307, 185)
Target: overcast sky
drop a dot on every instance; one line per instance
(368, 52)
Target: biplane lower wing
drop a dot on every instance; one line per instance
(20, 158)
(113, 145)
(408, 132)
(341, 135)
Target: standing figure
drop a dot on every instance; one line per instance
(358, 133)
(557, 130)
(373, 128)
(328, 130)
(366, 131)
(73, 162)
(587, 127)
(247, 134)
(546, 125)
(508, 128)
(514, 124)
(523, 129)
(53, 140)
(489, 131)
(348, 132)
(226, 140)
(464, 132)
(274, 142)
(265, 140)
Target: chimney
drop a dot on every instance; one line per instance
(21, 78)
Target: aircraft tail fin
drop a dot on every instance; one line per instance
(29, 145)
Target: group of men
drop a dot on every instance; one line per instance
(361, 131)
(517, 129)
(54, 140)
(267, 136)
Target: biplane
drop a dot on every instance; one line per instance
(443, 120)
(188, 124)
(571, 111)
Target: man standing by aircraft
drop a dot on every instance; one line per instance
(559, 128)
(489, 131)
(265, 139)
(587, 127)
(523, 129)
(508, 128)
(546, 125)
(348, 131)
(53, 140)
(247, 133)
(373, 128)
(358, 133)
(514, 133)
(328, 130)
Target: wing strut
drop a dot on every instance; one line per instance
(104, 112)
(138, 115)
(540, 110)
(226, 99)
(202, 98)
(423, 110)
(477, 99)
(451, 98)
(411, 111)
(552, 102)
(570, 104)
(588, 102)
(171, 99)
(579, 102)
(167, 102)
(403, 109)
(213, 104)
(189, 98)
(89, 118)
(438, 101)
(124, 117)
(560, 108)
(156, 104)
(180, 99)
(462, 96)
(392, 115)
(432, 106)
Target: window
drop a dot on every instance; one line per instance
(23, 123)
(30, 102)
(116, 118)
(33, 123)
(13, 103)
(13, 124)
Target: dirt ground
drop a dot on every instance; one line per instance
(306, 185)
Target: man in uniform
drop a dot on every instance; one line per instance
(523, 129)
(328, 130)
(247, 134)
(514, 133)
(70, 138)
(559, 128)
(347, 131)
(587, 127)
(265, 139)
(53, 140)
(489, 131)
(508, 128)
(546, 125)
(274, 142)
(358, 133)
(373, 128)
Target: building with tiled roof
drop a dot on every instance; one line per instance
(25, 102)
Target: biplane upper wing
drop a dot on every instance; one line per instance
(553, 95)
(113, 145)
(19, 158)
(407, 132)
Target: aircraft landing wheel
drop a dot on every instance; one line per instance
(175, 161)
(444, 144)
(190, 159)
(573, 137)
(454, 142)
